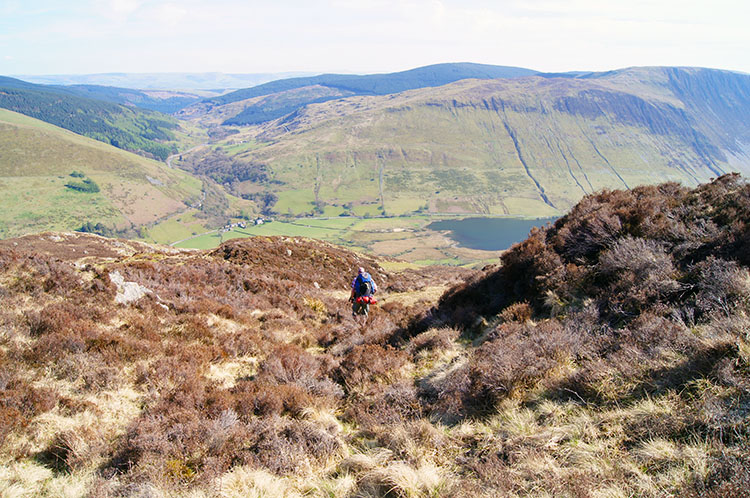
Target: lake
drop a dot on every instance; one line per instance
(489, 234)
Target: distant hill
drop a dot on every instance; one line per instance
(532, 145)
(165, 101)
(348, 84)
(41, 165)
(122, 126)
(163, 81)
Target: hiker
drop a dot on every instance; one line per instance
(363, 288)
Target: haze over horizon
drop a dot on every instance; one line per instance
(228, 36)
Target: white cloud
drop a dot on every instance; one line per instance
(167, 15)
(371, 35)
(124, 7)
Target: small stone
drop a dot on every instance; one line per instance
(316, 285)
(288, 252)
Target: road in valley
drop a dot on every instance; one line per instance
(169, 159)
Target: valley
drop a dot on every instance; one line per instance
(529, 146)
(328, 156)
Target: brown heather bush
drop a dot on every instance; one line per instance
(290, 364)
(202, 312)
(720, 286)
(370, 364)
(52, 347)
(250, 398)
(728, 477)
(380, 405)
(447, 397)
(438, 340)
(626, 274)
(244, 342)
(515, 357)
(73, 450)
(517, 312)
(181, 442)
(635, 273)
(56, 317)
(285, 446)
(20, 402)
(626, 250)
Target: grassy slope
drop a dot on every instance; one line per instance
(271, 106)
(36, 159)
(454, 147)
(380, 84)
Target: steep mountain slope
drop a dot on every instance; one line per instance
(607, 356)
(131, 129)
(37, 159)
(531, 145)
(249, 111)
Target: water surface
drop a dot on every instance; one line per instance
(489, 234)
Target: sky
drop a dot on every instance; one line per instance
(363, 36)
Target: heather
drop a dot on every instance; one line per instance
(606, 355)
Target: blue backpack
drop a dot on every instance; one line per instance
(364, 285)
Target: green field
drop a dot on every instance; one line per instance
(404, 238)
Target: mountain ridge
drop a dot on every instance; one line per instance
(558, 138)
(349, 84)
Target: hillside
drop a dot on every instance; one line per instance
(528, 146)
(607, 356)
(125, 127)
(36, 163)
(261, 108)
(164, 101)
(246, 110)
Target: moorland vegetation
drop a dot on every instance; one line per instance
(607, 355)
